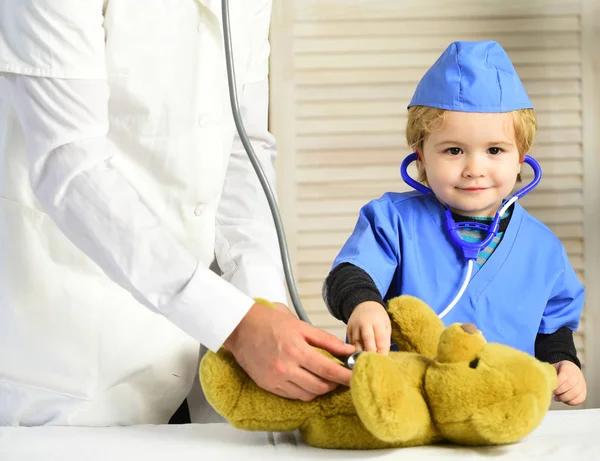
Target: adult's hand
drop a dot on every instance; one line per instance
(283, 308)
(276, 350)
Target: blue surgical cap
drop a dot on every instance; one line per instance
(472, 77)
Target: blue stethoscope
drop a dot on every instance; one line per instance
(471, 250)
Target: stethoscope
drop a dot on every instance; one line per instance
(471, 250)
(350, 360)
(264, 182)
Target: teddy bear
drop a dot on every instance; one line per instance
(444, 385)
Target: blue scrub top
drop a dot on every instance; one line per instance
(527, 286)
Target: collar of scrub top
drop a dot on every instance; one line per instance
(472, 77)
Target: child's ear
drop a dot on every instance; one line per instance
(519, 179)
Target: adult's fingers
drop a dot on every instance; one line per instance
(311, 383)
(325, 368)
(291, 391)
(331, 343)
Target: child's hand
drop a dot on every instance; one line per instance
(571, 388)
(369, 328)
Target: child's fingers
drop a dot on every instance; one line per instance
(565, 383)
(358, 346)
(579, 399)
(354, 338)
(367, 336)
(570, 396)
(382, 338)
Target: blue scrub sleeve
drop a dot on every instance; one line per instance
(374, 245)
(565, 306)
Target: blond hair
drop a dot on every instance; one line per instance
(423, 120)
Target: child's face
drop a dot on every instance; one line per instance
(472, 162)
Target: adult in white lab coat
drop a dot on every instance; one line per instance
(121, 181)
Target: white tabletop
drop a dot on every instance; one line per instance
(563, 435)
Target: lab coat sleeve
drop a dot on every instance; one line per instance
(44, 40)
(65, 121)
(566, 303)
(247, 250)
(374, 244)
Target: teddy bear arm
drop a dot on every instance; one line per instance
(388, 396)
(415, 326)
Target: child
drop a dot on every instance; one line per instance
(471, 123)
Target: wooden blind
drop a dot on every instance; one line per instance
(343, 72)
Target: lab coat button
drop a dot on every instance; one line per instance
(199, 210)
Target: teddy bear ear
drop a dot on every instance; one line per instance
(460, 343)
(415, 325)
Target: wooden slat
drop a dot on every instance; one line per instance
(328, 77)
(490, 26)
(427, 43)
(315, 305)
(393, 59)
(319, 10)
(552, 87)
(578, 338)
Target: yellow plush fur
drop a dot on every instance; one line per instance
(447, 385)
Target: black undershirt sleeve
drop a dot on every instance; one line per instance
(346, 287)
(556, 347)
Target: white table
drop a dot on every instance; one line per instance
(564, 435)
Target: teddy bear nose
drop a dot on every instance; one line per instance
(469, 328)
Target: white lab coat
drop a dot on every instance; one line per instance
(121, 181)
